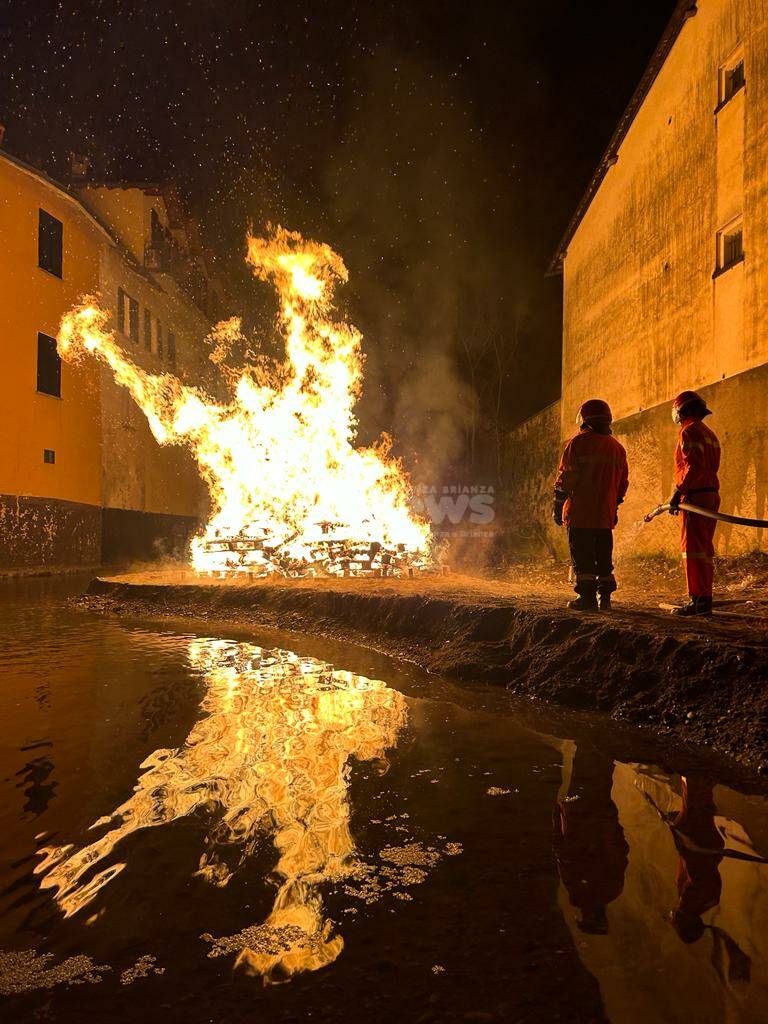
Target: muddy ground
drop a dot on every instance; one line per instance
(705, 681)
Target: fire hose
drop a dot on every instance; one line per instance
(758, 524)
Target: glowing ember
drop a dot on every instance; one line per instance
(289, 491)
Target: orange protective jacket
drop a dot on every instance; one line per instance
(697, 458)
(593, 477)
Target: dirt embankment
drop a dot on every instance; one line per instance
(707, 681)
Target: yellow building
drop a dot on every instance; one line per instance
(81, 478)
(665, 268)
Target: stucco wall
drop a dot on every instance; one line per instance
(531, 458)
(741, 422)
(106, 460)
(126, 210)
(138, 473)
(643, 315)
(31, 301)
(646, 312)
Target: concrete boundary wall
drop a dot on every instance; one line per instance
(40, 533)
(36, 532)
(128, 535)
(532, 454)
(740, 419)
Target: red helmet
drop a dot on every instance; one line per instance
(689, 403)
(594, 409)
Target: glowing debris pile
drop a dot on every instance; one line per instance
(290, 493)
(331, 552)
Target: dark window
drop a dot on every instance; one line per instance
(133, 320)
(127, 315)
(156, 228)
(49, 243)
(171, 348)
(733, 247)
(49, 456)
(734, 80)
(147, 329)
(48, 366)
(121, 310)
(159, 339)
(200, 289)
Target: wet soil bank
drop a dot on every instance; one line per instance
(705, 681)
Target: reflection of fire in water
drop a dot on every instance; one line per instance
(271, 755)
(289, 491)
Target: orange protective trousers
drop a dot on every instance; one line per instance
(697, 544)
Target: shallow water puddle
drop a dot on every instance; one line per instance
(206, 829)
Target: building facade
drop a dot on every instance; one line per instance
(82, 480)
(665, 268)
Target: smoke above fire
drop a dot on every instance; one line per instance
(290, 492)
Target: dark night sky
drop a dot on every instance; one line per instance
(440, 147)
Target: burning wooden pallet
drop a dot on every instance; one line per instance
(329, 554)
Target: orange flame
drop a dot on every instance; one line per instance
(279, 457)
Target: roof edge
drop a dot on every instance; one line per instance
(110, 236)
(57, 186)
(151, 187)
(684, 10)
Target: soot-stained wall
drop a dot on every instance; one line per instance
(46, 532)
(131, 536)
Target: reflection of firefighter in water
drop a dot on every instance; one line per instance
(589, 841)
(701, 847)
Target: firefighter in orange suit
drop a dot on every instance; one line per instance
(697, 461)
(591, 483)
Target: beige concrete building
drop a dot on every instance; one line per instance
(665, 267)
(163, 299)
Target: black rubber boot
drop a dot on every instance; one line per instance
(605, 602)
(701, 606)
(584, 603)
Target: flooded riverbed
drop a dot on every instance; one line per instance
(212, 826)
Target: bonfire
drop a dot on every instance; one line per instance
(290, 492)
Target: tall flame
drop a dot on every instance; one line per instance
(278, 457)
